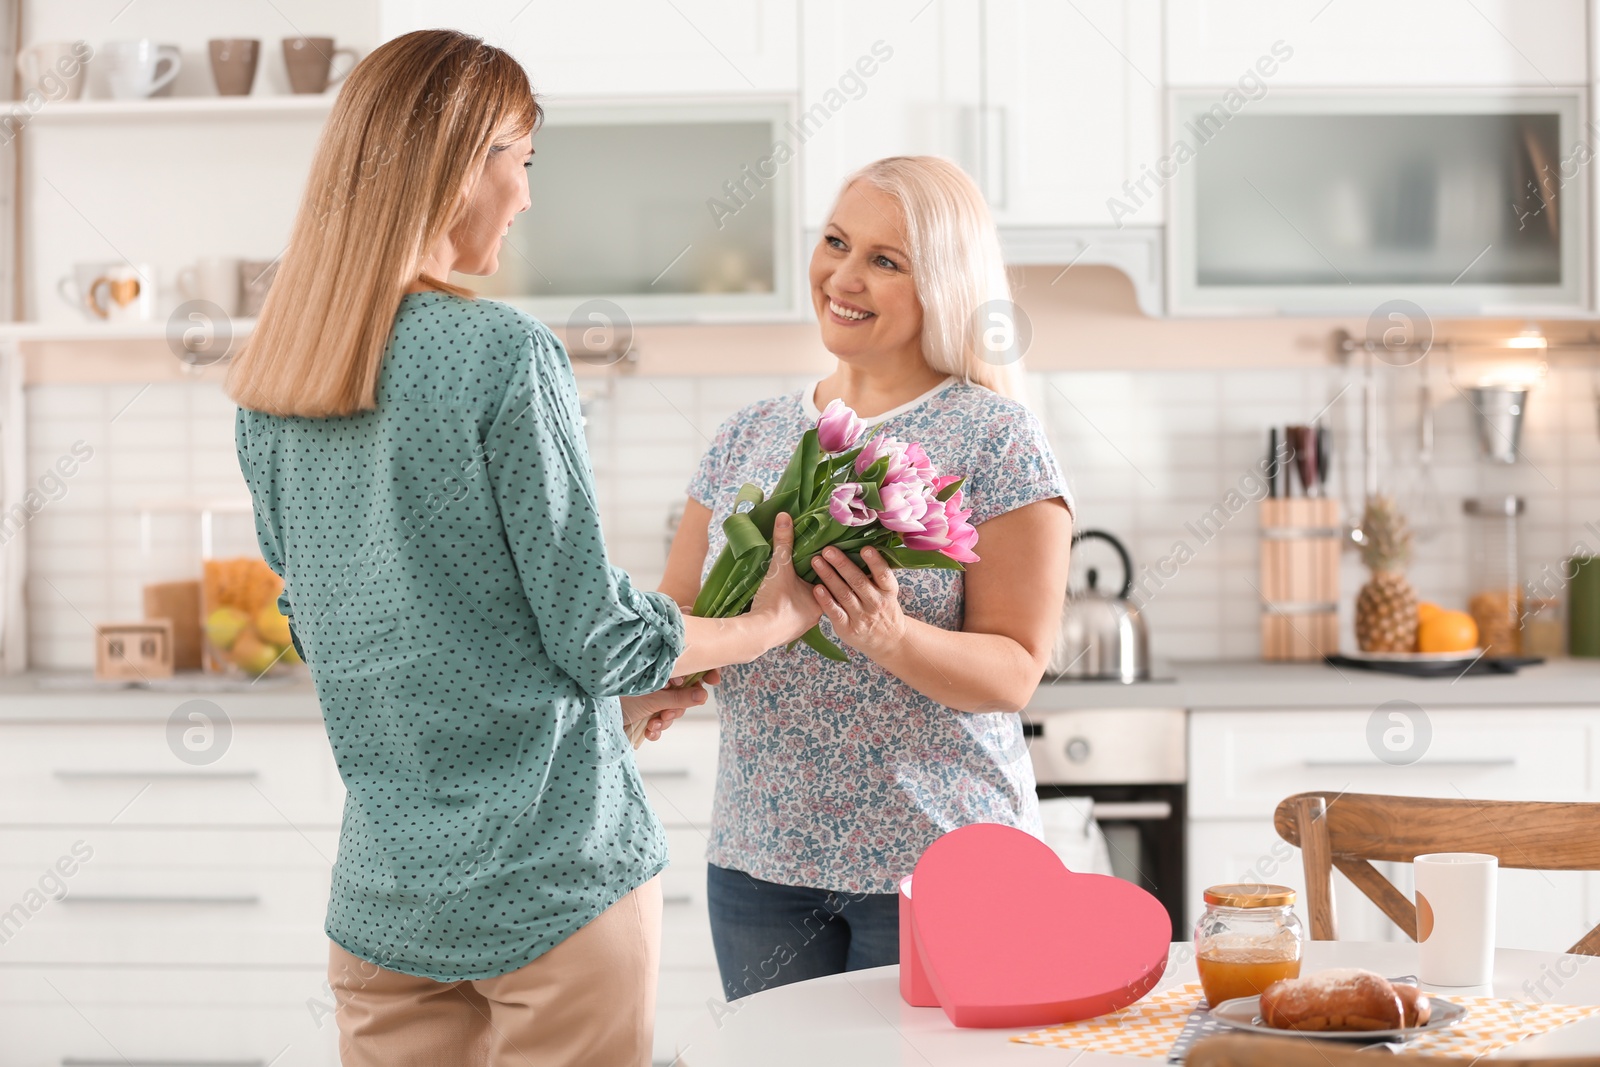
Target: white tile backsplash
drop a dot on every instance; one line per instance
(1147, 454)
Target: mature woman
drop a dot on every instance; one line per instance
(421, 483)
(833, 778)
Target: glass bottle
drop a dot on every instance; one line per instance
(1494, 591)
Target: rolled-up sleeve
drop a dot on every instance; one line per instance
(610, 637)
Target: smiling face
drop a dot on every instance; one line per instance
(500, 196)
(861, 284)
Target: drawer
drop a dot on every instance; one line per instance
(130, 897)
(221, 1018)
(269, 774)
(685, 1000)
(680, 772)
(1243, 763)
(685, 922)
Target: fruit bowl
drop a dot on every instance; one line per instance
(245, 633)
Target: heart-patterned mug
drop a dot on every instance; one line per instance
(125, 292)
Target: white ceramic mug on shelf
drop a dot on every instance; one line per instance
(137, 69)
(124, 292)
(74, 287)
(1455, 917)
(214, 279)
(56, 70)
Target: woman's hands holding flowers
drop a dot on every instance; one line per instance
(864, 606)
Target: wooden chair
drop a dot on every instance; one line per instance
(1254, 1050)
(1350, 830)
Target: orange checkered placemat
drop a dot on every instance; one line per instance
(1149, 1027)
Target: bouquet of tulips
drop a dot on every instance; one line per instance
(847, 488)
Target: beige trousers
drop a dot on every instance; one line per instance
(588, 1002)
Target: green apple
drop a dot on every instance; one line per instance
(224, 626)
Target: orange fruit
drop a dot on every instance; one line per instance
(1426, 610)
(1447, 631)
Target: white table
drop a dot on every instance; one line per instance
(859, 1020)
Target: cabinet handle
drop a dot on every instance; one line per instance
(669, 899)
(671, 772)
(242, 899)
(83, 1061)
(69, 775)
(1487, 761)
(1132, 810)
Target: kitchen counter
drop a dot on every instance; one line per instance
(1252, 684)
(55, 696)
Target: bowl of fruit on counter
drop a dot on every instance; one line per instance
(1398, 631)
(245, 633)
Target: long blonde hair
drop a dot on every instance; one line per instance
(406, 141)
(956, 264)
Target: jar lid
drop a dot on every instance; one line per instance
(1250, 895)
(1509, 506)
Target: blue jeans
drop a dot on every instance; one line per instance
(769, 935)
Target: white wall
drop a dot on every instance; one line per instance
(1145, 453)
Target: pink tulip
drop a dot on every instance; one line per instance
(946, 530)
(838, 430)
(901, 470)
(905, 506)
(848, 508)
(920, 463)
(943, 480)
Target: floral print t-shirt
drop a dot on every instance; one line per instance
(839, 775)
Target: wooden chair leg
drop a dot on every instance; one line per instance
(1589, 946)
(1317, 857)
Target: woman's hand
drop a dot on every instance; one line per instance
(665, 706)
(864, 606)
(784, 605)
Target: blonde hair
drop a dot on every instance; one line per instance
(405, 143)
(956, 263)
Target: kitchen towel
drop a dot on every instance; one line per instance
(1150, 1027)
(1072, 833)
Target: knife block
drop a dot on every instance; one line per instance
(1300, 542)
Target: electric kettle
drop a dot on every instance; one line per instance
(1102, 637)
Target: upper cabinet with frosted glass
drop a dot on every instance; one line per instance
(1461, 202)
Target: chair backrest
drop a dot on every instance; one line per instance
(1350, 830)
(1252, 1050)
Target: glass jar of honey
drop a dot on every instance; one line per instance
(1248, 938)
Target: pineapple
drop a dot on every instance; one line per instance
(1386, 608)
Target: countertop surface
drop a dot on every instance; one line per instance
(1210, 685)
(1252, 684)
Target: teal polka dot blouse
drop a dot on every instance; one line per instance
(447, 584)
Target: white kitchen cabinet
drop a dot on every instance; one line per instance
(1243, 763)
(679, 773)
(622, 47)
(896, 77)
(1369, 43)
(1071, 111)
(1250, 850)
(239, 1017)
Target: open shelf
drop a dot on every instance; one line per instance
(309, 104)
(95, 331)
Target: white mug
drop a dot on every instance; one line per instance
(137, 69)
(214, 279)
(1455, 917)
(54, 69)
(74, 287)
(124, 292)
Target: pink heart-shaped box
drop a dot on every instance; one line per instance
(1006, 936)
